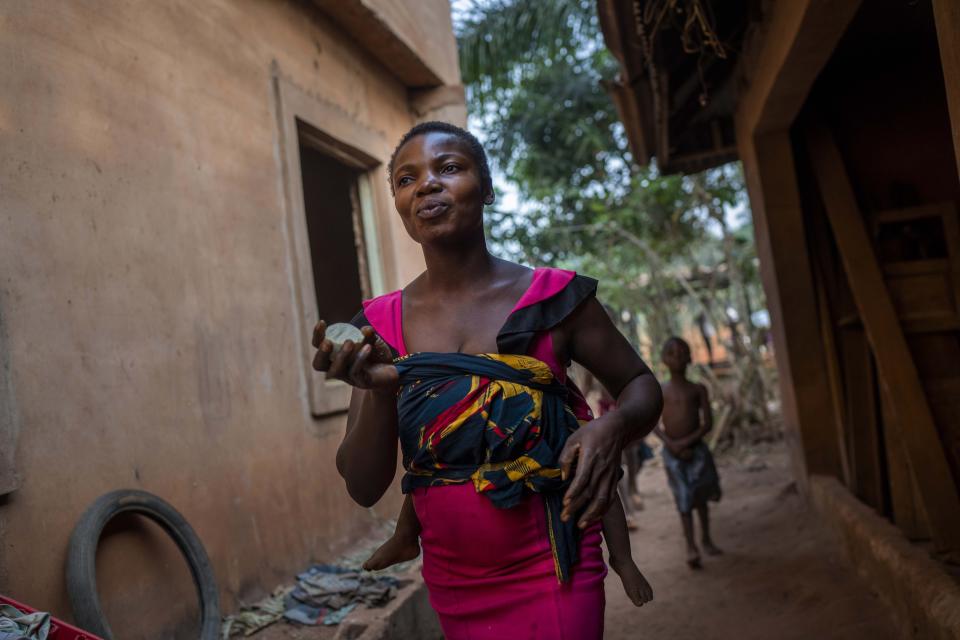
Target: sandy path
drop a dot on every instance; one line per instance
(782, 576)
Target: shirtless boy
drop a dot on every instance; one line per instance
(691, 472)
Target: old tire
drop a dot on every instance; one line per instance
(82, 555)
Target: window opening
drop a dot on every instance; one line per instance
(332, 207)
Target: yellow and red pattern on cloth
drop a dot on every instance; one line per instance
(497, 421)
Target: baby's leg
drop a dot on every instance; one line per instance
(403, 545)
(618, 545)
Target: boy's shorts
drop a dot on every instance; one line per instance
(694, 481)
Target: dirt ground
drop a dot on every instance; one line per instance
(782, 574)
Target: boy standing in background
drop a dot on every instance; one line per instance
(691, 472)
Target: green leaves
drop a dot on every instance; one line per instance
(504, 42)
(664, 247)
(533, 71)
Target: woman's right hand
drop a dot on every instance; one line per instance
(368, 365)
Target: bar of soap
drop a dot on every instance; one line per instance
(339, 332)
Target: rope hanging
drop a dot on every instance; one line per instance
(695, 23)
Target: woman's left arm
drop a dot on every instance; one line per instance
(592, 340)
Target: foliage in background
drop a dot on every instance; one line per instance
(670, 259)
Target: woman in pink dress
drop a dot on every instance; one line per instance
(469, 377)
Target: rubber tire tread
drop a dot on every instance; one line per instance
(82, 555)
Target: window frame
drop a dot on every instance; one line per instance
(10, 479)
(334, 132)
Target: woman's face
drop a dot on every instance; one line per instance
(437, 189)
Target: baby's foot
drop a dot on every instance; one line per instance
(634, 583)
(693, 557)
(395, 550)
(710, 548)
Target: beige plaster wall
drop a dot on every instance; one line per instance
(426, 26)
(146, 291)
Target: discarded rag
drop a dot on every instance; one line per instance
(324, 594)
(330, 587)
(17, 625)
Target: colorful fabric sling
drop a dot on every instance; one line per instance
(498, 421)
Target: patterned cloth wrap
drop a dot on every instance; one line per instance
(498, 421)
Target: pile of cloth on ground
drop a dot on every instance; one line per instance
(324, 594)
(17, 625)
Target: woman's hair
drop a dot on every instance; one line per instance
(473, 145)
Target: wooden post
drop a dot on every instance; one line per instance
(898, 373)
(798, 40)
(808, 411)
(861, 403)
(906, 500)
(834, 376)
(946, 13)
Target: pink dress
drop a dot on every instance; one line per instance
(490, 572)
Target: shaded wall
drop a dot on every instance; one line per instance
(882, 96)
(844, 132)
(146, 293)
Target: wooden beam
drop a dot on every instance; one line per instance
(627, 99)
(810, 427)
(905, 499)
(785, 58)
(611, 26)
(781, 63)
(946, 13)
(898, 373)
(861, 403)
(834, 376)
(825, 269)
